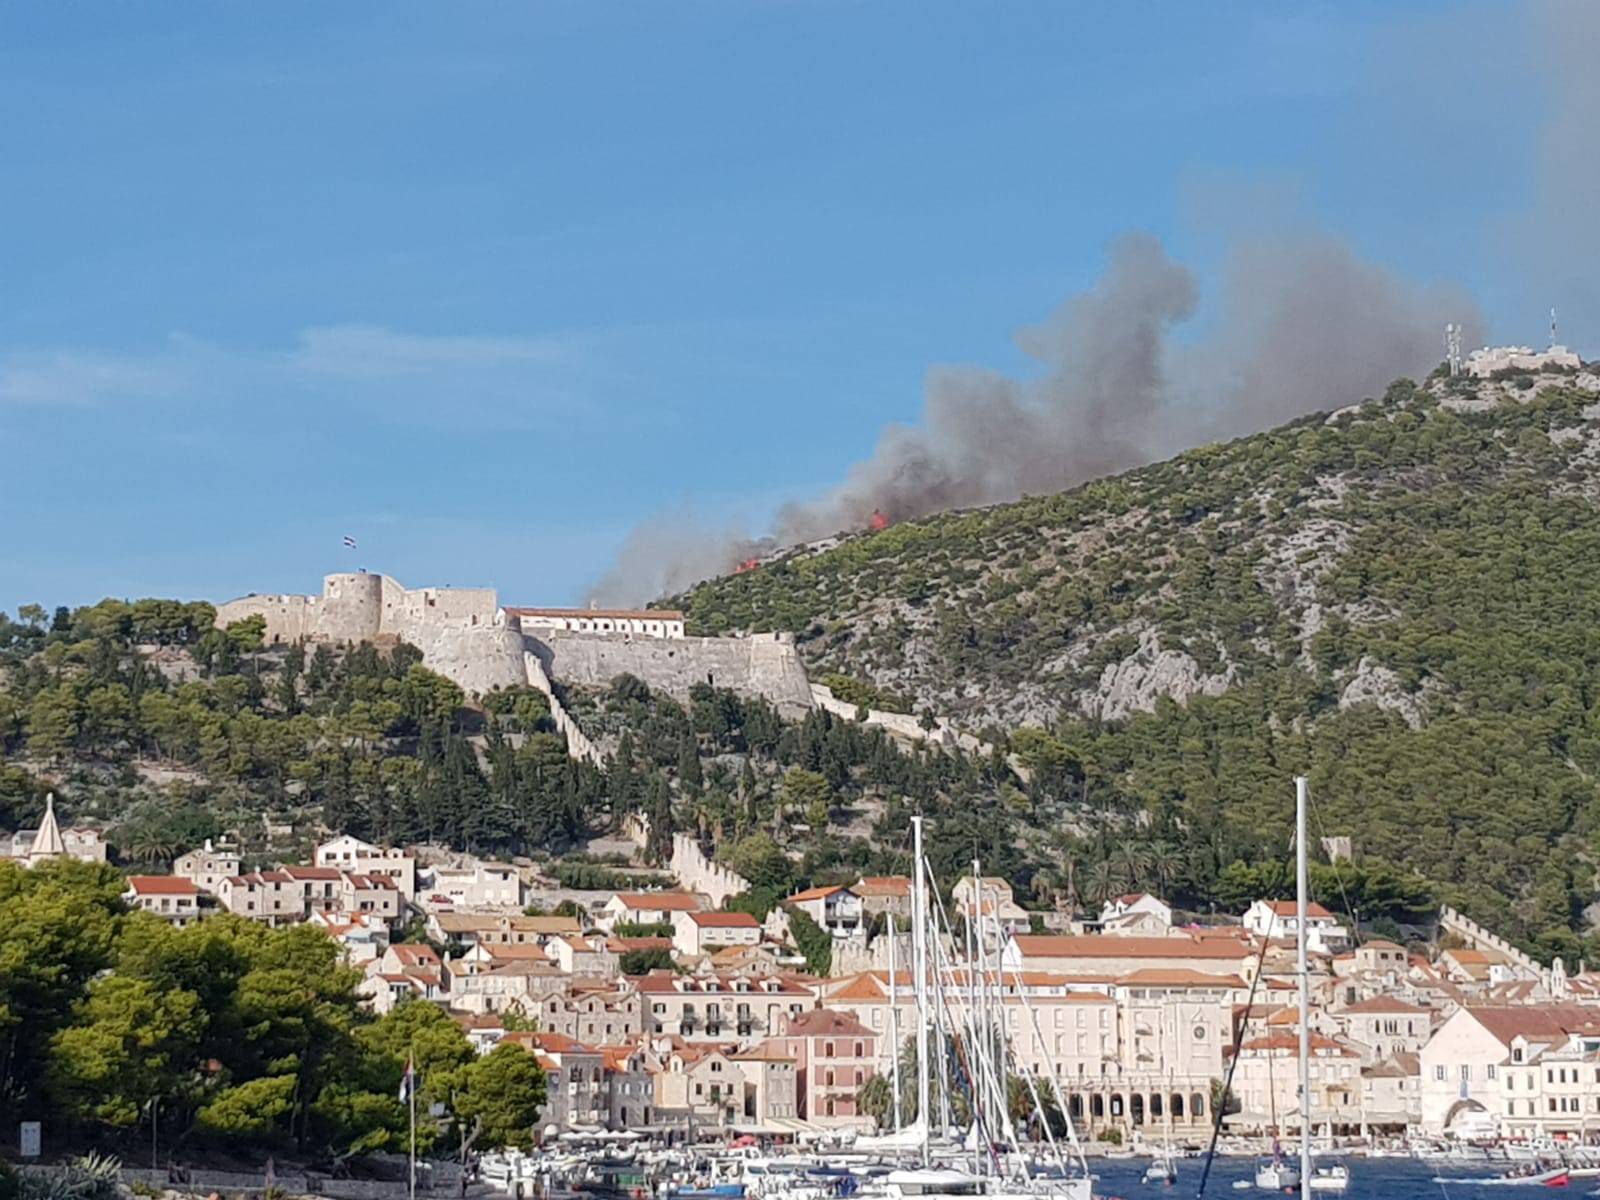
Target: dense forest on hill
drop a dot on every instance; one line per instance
(1401, 599)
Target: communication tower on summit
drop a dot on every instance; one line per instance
(1452, 347)
(1552, 329)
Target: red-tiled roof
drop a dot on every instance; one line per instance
(1387, 1005)
(1535, 1022)
(1290, 908)
(412, 954)
(1046, 945)
(1178, 977)
(643, 614)
(306, 873)
(724, 920)
(823, 1022)
(162, 885)
(883, 885)
(815, 893)
(1291, 1043)
(659, 901)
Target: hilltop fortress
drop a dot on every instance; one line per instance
(466, 636)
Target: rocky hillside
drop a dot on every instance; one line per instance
(1402, 597)
(1344, 545)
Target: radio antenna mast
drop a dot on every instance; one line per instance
(1452, 347)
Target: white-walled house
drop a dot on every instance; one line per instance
(1136, 913)
(351, 854)
(836, 909)
(1281, 919)
(1383, 1026)
(476, 886)
(703, 932)
(165, 896)
(646, 908)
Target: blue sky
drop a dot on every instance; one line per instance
(484, 285)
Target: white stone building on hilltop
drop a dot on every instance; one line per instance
(644, 622)
(1485, 362)
(462, 632)
(475, 886)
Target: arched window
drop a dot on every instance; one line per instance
(1197, 1105)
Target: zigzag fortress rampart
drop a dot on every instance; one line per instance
(465, 635)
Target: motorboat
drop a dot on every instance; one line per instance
(1162, 1170)
(1330, 1177)
(1277, 1174)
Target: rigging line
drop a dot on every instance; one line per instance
(1218, 1111)
(1355, 917)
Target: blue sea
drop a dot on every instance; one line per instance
(1370, 1179)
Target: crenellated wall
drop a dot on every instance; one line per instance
(689, 865)
(579, 745)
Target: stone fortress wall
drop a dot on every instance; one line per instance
(465, 635)
(765, 665)
(461, 632)
(693, 870)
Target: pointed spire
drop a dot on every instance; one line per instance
(47, 842)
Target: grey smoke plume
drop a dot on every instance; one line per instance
(1301, 324)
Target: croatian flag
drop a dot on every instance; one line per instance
(408, 1082)
(349, 542)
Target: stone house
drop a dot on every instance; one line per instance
(491, 929)
(884, 894)
(1137, 913)
(592, 1012)
(718, 1007)
(1528, 1069)
(1381, 1027)
(207, 866)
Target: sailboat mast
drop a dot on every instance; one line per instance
(1301, 904)
(894, 1019)
(919, 968)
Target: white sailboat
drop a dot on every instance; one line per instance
(941, 1009)
(1279, 1174)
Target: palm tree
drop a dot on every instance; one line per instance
(151, 848)
(1134, 859)
(875, 1097)
(1101, 882)
(1166, 860)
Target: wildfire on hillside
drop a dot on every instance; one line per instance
(878, 522)
(749, 564)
